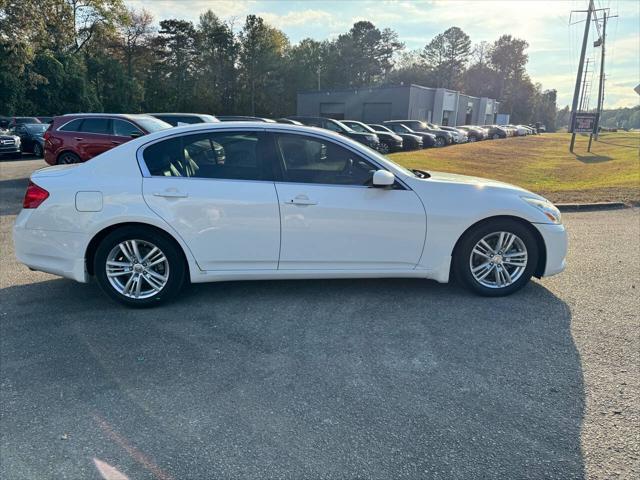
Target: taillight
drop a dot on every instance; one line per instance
(34, 196)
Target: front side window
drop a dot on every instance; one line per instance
(232, 155)
(332, 126)
(96, 125)
(356, 127)
(313, 160)
(122, 128)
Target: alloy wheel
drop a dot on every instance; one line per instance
(137, 269)
(383, 148)
(439, 142)
(498, 260)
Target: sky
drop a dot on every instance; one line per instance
(554, 45)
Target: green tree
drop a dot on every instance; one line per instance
(261, 60)
(215, 84)
(447, 56)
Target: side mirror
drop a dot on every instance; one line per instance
(383, 178)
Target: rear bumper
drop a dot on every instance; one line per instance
(555, 240)
(58, 253)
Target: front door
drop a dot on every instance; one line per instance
(216, 191)
(333, 219)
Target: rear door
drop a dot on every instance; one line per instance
(94, 137)
(216, 190)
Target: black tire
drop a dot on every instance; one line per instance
(176, 272)
(495, 136)
(67, 158)
(462, 255)
(37, 150)
(384, 148)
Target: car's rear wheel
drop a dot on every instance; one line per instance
(67, 158)
(472, 138)
(139, 267)
(383, 148)
(440, 141)
(496, 258)
(495, 136)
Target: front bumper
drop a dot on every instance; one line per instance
(59, 253)
(555, 240)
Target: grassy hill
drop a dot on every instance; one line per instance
(543, 164)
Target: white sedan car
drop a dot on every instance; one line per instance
(243, 201)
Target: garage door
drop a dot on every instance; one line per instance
(376, 112)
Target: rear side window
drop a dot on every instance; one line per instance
(123, 128)
(96, 125)
(234, 155)
(72, 126)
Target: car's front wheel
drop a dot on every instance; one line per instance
(37, 150)
(383, 148)
(496, 258)
(440, 142)
(139, 267)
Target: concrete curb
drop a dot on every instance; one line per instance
(590, 207)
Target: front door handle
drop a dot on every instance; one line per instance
(79, 139)
(171, 194)
(301, 200)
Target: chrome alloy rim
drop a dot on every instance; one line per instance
(137, 269)
(498, 260)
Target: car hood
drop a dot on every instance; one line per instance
(477, 182)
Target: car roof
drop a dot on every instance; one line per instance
(129, 116)
(177, 114)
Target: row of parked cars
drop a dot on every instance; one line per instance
(76, 138)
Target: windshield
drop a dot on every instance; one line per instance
(37, 128)
(359, 128)
(151, 124)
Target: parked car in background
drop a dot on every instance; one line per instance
(79, 137)
(178, 119)
(244, 118)
(389, 141)
(409, 141)
(162, 210)
(459, 136)
(369, 139)
(442, 137)
(289, 121)
(13, 121)
(4, 122)
(474, 133)
(428, 139)
(45, 119)
(496, 131)
(31, 137)
(9, 145)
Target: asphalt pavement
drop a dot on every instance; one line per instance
(346, 379)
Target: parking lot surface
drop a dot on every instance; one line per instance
(380, 379)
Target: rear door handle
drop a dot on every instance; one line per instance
(79, 138)
(170, 194)
(301, 200)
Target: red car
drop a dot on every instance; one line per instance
(80, 137)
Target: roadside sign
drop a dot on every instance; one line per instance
(584, 122)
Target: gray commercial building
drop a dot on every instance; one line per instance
(399, 102)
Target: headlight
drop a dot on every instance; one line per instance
(549, 209)
(371, 138)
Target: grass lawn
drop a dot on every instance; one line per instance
(544, 165)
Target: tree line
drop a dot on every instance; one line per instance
(63, 56)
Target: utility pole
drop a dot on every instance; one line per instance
(601, 84)
(576, 90)
(582, 101)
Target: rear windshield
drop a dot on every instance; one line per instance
(37, 127)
